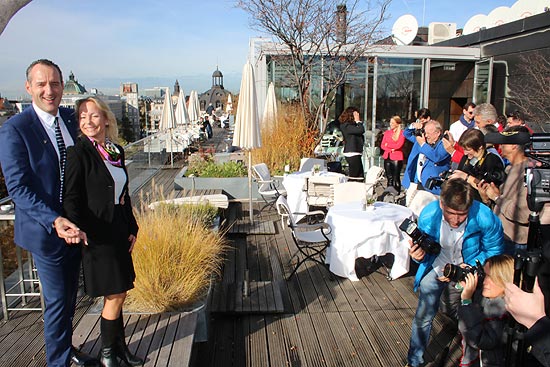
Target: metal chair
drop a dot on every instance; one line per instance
(310, 239)
(267, 187)
(307, 164)
(373, 179)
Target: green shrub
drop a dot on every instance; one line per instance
(209, 168)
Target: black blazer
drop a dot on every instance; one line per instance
(353, 137)
(89, 191)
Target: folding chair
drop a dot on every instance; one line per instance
(267, 187)
(310, 239)
(373, 180)
(306, 164)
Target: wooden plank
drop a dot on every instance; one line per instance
(163, 357)
(147, 336)
(277, 349)
(257, 341)
(343, 340)
(293, 341)
(364, 349)
(183, 341)
(156, 341)
(312, 350)
(328, 344)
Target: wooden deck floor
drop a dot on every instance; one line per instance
(311, 320)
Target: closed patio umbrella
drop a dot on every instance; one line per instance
(270, 110)
(247, 125)
(182, 117)
(193, 109)
(168, 120)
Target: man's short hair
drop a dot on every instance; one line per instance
(515, 115)
(436, 124)
(468, 105)
(457, 194)
(45, 62)
(487, 112)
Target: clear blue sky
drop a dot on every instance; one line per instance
(153, 43)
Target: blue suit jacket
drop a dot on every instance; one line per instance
(31, 170)
(437, 161)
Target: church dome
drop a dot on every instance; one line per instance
(73, 87)
(217, 74)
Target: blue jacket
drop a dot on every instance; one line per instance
(482, 235)
(437, 161)
(31, 170)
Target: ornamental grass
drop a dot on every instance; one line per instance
(285, 141)
(175, 257)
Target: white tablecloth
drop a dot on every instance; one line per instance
(295, 185)
(375, 231)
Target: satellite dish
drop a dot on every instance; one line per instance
(404, 29)
(498, 16)
(526, 8)
(474, 24)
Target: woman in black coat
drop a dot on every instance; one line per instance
(353, 130)
(96, 199)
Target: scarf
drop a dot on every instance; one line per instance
(110, 152)
(470, 124)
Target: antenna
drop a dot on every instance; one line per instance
(475, 23)
(499, 16)
(526, 8)
(404, 29)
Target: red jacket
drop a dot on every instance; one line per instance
(392, 148)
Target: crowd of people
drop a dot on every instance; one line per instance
(73, 207)
(480, 215)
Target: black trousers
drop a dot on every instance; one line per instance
(393, 173)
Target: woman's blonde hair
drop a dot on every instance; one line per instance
(397, 119)
(111, 128)
(502, 269)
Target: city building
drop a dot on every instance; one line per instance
(217, 94)
(129, 94)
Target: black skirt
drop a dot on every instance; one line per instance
(108, 267)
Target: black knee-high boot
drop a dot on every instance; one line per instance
(107, 355)
(122, 350)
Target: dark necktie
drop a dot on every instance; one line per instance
(62, 156)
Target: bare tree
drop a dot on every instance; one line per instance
(8, 8)
(326, 35)
(530, 90)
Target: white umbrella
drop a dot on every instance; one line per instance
(270, 110)
(168, 120)
(229, 107)
(193, 108)
(247, 125)
(182, 117)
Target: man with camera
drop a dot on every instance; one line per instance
(428, 157)
(467, 231)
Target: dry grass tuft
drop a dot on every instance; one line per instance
(286, 142)
(174, 257)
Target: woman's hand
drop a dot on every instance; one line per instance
(132, 240)
(469, 286)
(492, 191)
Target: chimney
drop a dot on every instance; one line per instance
(341, 23)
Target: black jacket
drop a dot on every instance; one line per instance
(89, 191)
(353, 137)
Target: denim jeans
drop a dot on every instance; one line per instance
(428, 304)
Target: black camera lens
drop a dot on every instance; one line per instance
(454, 272)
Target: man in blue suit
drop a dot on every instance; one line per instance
(32, 166)
(428, 157)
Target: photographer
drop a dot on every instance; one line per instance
(510, 198)
(478, 165)
(428, 157)
(482, 321)
(467, 231)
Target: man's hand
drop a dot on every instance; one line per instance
(416, 252)
(69, 231)
(459, 174)
(449, 142)
(526, 308)
(491, 191)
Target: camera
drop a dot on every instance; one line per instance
(497, 177)
(420, 238)
(434, 182)
(419, 132)
(457, 274)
